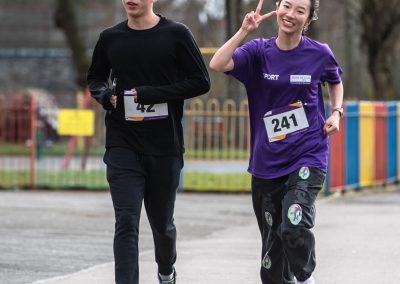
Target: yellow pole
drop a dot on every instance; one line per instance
(367, 143)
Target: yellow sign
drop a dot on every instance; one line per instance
(75, 122)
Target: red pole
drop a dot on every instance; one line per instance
(380, 142)
(33, 144)
(337, 158)
(3, 116)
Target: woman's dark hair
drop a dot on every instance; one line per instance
(313, 9)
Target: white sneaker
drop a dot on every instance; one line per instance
(308, 281)
(171, 280)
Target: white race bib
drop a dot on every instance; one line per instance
(139, 112)
(282, 122)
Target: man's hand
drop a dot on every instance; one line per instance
(113, 101)
(113, 98)
(134, 94)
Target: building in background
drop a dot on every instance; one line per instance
(33, 53)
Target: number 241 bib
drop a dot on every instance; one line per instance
(283, 122)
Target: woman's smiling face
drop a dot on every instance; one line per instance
(293, 15)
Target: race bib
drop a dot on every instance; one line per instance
(139, 112)
(285, 121)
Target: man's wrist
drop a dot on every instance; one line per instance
(105, 99)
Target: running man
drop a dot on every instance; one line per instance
(154, 64)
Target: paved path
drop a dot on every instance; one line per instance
(65, 238)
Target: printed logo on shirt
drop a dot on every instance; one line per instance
(300, 79)
(271, 77)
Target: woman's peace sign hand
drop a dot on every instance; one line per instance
(253, 19)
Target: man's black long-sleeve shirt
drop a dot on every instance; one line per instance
(164, 65)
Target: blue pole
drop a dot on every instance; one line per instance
(391, 149)
(352, 145)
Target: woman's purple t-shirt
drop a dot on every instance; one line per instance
(274, 79)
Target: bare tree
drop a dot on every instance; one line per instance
(380, 29)
(233, 23)
(233, 16)
(353, 54)
(65, 19)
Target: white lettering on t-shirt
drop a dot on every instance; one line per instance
(271, 77)
(300, 79)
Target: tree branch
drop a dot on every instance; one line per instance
(65, 19)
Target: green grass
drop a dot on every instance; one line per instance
(14, 149)
(217, 154)
(11, 179)
(192, 181)
(55, 179)
(59, 149)
(203, 181)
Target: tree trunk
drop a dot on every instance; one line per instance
(353, 77)
(380, 70)
(233, 9)
(65, 19)
(380, 30)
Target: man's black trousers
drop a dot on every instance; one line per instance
(135, 178)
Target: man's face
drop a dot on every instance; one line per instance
(138, 8)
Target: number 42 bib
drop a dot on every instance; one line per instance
(139, 112)
(285, 121)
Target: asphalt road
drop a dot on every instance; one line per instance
(45, 234)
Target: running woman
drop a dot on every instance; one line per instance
(283, 76)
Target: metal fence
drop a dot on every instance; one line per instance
(217, 131)
(33, 155)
